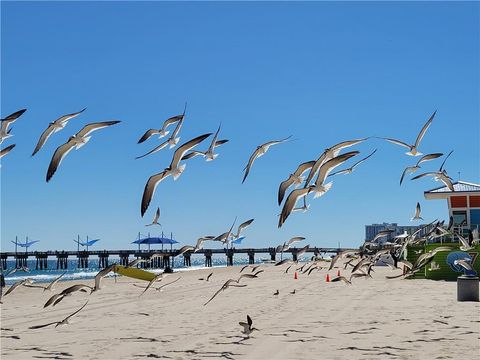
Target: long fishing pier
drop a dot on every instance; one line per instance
(162, 258)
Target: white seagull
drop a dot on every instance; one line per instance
(209, 155)
(155, 219)
(6, 122)
(74, 142)
(53, 127)
(163, 131)
(417, 213)
(413, 151)
(173, 169)
(172, 141)
(295, 179)
(412, 169)
(438, 176)
(260, 151)
(351, 168)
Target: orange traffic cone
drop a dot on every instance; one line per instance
(338, 272)
(295, 276)
(327, 279)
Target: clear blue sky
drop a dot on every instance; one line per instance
(323, 72)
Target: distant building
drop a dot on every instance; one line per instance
(372, 230)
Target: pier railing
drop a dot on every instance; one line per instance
(163, 258)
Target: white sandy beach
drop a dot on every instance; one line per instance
(372, 318)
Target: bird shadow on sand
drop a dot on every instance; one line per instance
(143, 339)
(215, 354)
(235, 342)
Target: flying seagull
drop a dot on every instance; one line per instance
(417, 213)
(173, 169)
(351, 168)
(6, 150)
(295, 179)
(413, 151)
(17, 284)
(76, 141)
(292, 199)
(319, 188)
(412, 169)
(62, 322)
(241, 227)
(155, 219)
(342, 278)
(442, 170)
(49, 287)
(247, 327)
(163, 131)
(172, 141)
(55, 299)
(234, 283)
(53, 127)
(438, 176)
(328, 154)
(201, 240)
(260, 151)
(209, 155)
(6, 122)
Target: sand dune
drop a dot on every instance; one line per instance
(372, 318)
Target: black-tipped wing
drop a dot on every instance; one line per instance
(12, 117)
(6, 150)
(252, 158)
(429, 157)
(284, 185)
(57, 158)
(42, 326)
(178, 154)
(154, 150)
(147, 135)
(249, 320)
(331, 164)
(149, 190)
(398, 142)
(43, 138)
(444, 160)
(424, 129)
(88, 129)
(290, 204)
(76, 312)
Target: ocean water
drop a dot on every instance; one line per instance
(73, 273)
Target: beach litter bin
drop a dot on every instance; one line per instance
(467, 288)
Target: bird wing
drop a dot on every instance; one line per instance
(14, 286)
(275, 142)
(344, 144)
(443, 163)
(447, 182)
(425, 174)
(177, 128)
(147, 135)
(220, 142)
(65, 118)
(429, 157)
(76, 311)
(224, 286)
(52, 299)
(252, 158)
(398, 142)
(243, 226)
(424, 129)
(294, 240)
(209, 275)
(42, 326)
(149, 190)
(290, 204)
(417, 210)
(58, 157)
(101, 274)
(365, 158)
(246, 326)
(89, 128)
(6, 150)
(192, 154)
(331, 164)
(178, 154)
(43, 138)
(157, 215)
(172, 120)
(284, 185)
(12, 117)
(214, 140)
(249, 320)
(407, 170)
(156, 278)
(319, 162)
(154, 150)
(243, 268)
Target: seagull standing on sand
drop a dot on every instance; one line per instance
(74, 142)
(62, 322)
(155, 219)
(295, 179)
(412, 169)
(174, 169)
(260, 151)
(6, 122)
(53, 127)
(417, 213)
(413, 149)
